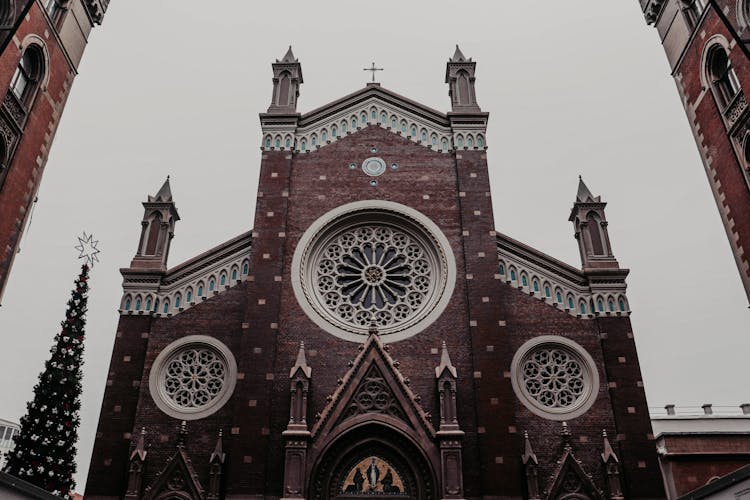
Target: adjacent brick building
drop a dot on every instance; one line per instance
(43, 47)
(706, 45)
(374, 333)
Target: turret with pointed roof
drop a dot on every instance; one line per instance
(459, 75)
(590, 224)
(159, 218)
(287, 77)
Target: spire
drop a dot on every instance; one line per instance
(458, 56)
(301, 363)
(218, 454)
(164, 194)
(288, 57)
(445, 363)
(590, 226)
(287, 78)
(609, 453)
(459, 75)
(584, 195)
(140, 447)
(157, 229)
(528, 452)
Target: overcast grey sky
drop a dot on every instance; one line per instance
(574, 87)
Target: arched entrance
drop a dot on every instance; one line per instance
(372, 460)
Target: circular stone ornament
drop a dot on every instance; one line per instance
(193, 377)
(554, 377)
(373, 262)
(373, 166)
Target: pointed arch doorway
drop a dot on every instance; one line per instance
(372, 461)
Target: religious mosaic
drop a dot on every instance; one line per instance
(373, 476)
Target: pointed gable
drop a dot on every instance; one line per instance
(178, 477)
(374, 385)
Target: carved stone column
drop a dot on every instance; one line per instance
(450, 434)
(296, 433)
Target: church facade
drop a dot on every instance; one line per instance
(374, 333)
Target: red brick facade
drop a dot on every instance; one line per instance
(486, 320)
(690, 36)
(28, 125)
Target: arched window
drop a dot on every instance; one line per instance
(595, 231)
(223, 279)
(547, 291)
(53, 10)
(621, 303)
(724, 82)
(611, 305)
(600, 305)
(177, 301)
(245, 268)
(303, 146)
(138, 303)
(582, 307)
(558, 296)
(502, 268)
(424, 135)
(363, 118)
(383, 118)
(127, 303)
(25, 81)
(513, 275)
(570, 303)
(413, 131)
(480, 142)
(148, 303)
(536, 286)
(165, 309)
(211, 285)
(444, 145)
(189, 296)
(433, 139)
(470, 142)
(314, 140)
(524, 280)
(463, 88)
(334, 131)
(268, 142)
(154, 226)
(288, 142)
(693, 10)
(234, 274)
(277, 143)
(324, 136)
(343, 127)
(354, 122)
(200, 289)
(393, 123)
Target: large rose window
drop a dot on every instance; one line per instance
(372, 268)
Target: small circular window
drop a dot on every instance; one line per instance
(193, 377)
(373, 166)
(554, 377)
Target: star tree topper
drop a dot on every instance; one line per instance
(87, 247)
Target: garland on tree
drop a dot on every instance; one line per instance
(45, 448)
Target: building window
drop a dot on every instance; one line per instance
(536, 286)
(554, 377)
(189, 296)
(546, 291)
(200, 290)
(53, 9)
(25, 81)
(724, 82)
(693, 10)
(234, 274)
(502, 269)
(524, 280)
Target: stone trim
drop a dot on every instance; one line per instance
(519, 260)
(230, 260)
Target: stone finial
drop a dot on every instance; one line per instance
(218, 454)
(140, 447)
(566, 436)
(373, 329)
(584, 194)
(288, 57)
(670, 409)
(445, 363)
(528, 452)
(458, 56)
(608, 454)
(301, 362)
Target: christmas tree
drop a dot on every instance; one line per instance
(45, 449)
